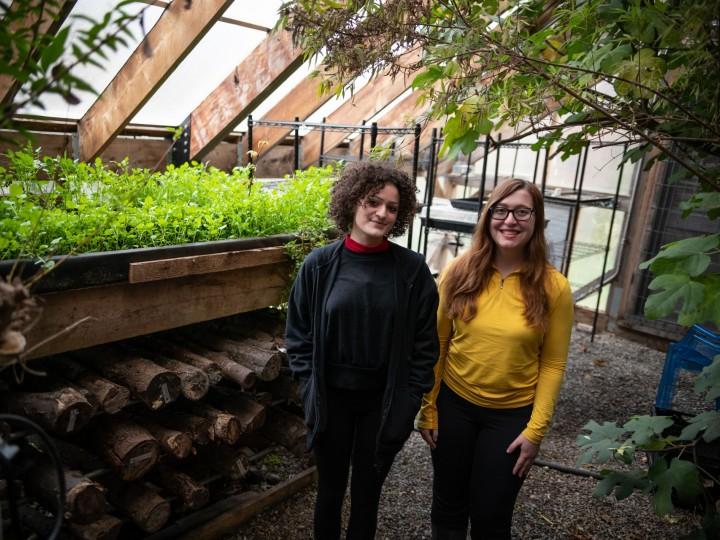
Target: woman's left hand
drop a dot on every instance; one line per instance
(528, 451)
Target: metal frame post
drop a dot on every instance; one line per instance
(322, 143)
(296, 145)
(607, 245)
(575, 214)
(373, 135)
(250, 140)
(429, 190)
(415, 165)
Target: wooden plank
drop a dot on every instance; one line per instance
(142, 272)
(49, 24)
(266, 68)
(240, 509)
(127, 310)
(175, 34)
(301, 101)
(366, 103)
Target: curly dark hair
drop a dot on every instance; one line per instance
(361, 179)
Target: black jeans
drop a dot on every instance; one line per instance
(349, 437)
(472, 471)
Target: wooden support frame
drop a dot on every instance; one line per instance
(174, 35)
(48, 25)
(253, 80)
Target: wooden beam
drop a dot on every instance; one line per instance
(49, 24)
(142, 272)
(170, 40)
(126, 310)
(266, 68)
(301, 101)
(365, 103)
(236, 510)
(228, 20)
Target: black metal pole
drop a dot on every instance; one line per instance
(250, 139)
(576, 212)
(545, 170)
(429, 190)
(483, 177)
(362, 142)
(607, 245)
(537, 162)
(322, 143)
(415, 166)
(373, 135)
(296, 144)
(497, 158)
(467, 173)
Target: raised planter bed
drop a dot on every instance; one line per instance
(128, 293)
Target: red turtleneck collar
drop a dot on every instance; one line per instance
(357, 247)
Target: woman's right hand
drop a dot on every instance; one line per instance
(429, 436)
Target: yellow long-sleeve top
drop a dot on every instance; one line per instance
(497, 360)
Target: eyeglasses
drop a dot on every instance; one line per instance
(520, 214)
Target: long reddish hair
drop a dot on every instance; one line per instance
(471, 272)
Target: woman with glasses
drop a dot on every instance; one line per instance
(361, 337)
(504, 325)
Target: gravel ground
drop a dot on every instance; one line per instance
(609, 379)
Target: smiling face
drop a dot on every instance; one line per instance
(511, 235)
(375, 216)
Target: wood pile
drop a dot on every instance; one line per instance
(155, 427)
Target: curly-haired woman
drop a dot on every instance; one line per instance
(361, 336)
(504, 325)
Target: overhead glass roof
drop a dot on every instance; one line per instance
(224, 46)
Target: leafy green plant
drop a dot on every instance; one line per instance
(52, 206)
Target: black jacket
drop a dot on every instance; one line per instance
(415, 348)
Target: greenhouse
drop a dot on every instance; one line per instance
(258, 261)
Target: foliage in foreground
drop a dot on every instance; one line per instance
(53, 206)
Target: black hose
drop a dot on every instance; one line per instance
(55, 457)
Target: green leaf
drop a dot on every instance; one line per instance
(709, 380)
(672, 290)
(685, 247)
(703, 202)
(645, 429)
(16, 189)
(55, 49)
(707, 422)
(681, 477)
(600, 444)
(622, 484)
(427, 78)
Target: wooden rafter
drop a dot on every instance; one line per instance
(48, 25)
(228, 20)
(365, 103)
(266, 68)
(170, 40)
(301, 101)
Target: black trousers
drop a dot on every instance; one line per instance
(349, 438)
(472, 470)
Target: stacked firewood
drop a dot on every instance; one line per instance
(158, 424)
